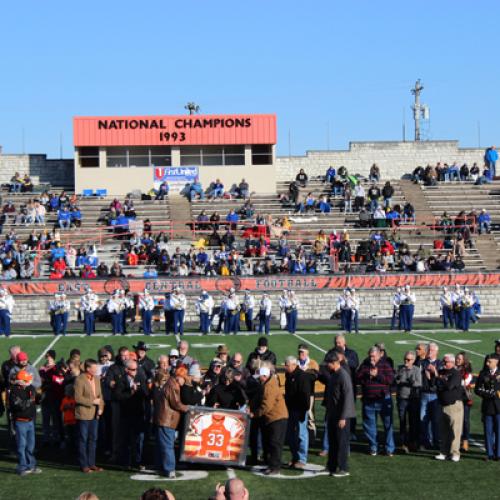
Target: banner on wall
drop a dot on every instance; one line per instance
(215, 436)
(177, 177)
(255, 284)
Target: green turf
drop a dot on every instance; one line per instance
(413, 476)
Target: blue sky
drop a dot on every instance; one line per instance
(347, 66)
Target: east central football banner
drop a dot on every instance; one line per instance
(194, 285)
(215, 436)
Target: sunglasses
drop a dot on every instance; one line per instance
(408, 359)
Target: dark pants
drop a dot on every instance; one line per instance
(291, 321)
(406, 312)
(4, 322)
(338, 440)
(60, 323)
(179, 321)
(115, 433)
(249, 320)
(264, 322)
(256, 430)
(492, 435)
(204, 322)
(466, 426)
(408, 410)
(89, 322)
(274, 440)
(87, 442)
(132, 440)
(51, 421)
(232, 322)
(169, 321)
(147, 317)
(465, 318)
(447, 317)
(116, 323)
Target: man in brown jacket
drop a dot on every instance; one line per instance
(275, 414)
(89, 407)
(167, 414)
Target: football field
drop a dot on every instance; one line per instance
(415, 475)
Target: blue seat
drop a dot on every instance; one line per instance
(101, 192)
(87, 192)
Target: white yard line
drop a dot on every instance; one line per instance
(453, 346)
(320, 349)
(56, 338)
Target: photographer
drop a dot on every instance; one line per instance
(449, 391)
(488, 389)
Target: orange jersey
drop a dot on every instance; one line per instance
(215, 441)
(68, 405)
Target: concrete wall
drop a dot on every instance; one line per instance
(40, 169)
(395, 159)
(313, 305)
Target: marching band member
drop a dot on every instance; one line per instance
(248, 307)
(476, 308)
(344, 307)
(127, 308)
(6, 309)
(232, 323)
(396, 316)
(114, 307)
(467, 301)
(407, 308)
(292, 307)
(204, 307)
(283, 304)
(89, 303)
(179, 302)
(265, 307)
(146, 306)
(222, 315)
(60, 308)
(446, 302)
(457, 306)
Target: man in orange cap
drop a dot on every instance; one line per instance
(23, 411)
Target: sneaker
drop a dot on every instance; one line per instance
(172, 475)
(405, 449)
(271, 472)
(373, 453)
(36, 470)
(299, 465)
(323, 453)
(455, 458)
(25, 472)
(341, 473)
(440, 457)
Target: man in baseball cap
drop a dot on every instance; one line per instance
(22, 363)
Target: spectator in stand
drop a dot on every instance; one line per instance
(64, 218)
(76, 217)
(409, 213)
(195, 189)
(491, 157)
(387, 193)
(373, 196)
(484, 221)
(163, 191)
(485, 178)
(418, 174)
(27, 184)
(330, 174)
(217, 190)
(474, 172)
(454, 172)
(374, 175)
(324, 205)
(464, 172)
(16, 183)
(301, 178)
(232, 218)
(359, 196)
(347, 199)
(243, 189)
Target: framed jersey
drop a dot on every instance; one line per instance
(216, 436)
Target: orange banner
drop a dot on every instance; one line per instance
(256, 284)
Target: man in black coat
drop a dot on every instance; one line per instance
(113, 376)
(298, 392)
(131, 391)
(262, 353)
(340, 409)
